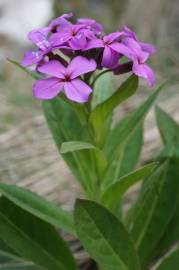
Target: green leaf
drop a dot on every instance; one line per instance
(113, 194)
(125, 156)
(125, 130)
(9, 260)
(171, 235)
(168, 127)
(67, 147)
(65, 126)
(101, 113)
(131, 152)
(33, 239)
(102, 90)
(34, 75)
(154, 210)
(39, 207)
(171, 262)
(9, 263)
(104, 237)
(98, 156)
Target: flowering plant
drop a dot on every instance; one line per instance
(71, 65)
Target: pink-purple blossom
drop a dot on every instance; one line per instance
(65, 51)
(109, 43)
(65, 79)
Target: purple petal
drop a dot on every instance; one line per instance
(112, 37)
(148, 48)
(93, 44)
(67, 15)
(91, 24)
(144, 71)
(77, 90)
(31, 58)
(60, 19)
(129, 33)
(78, 42)
(122, 49)
(132, 44)
(80, 65)
(59, 39)
(39, 37)
(110, 58)
(88, 33)
(60, 23)
(53, 68)
(47, 88)
(44, 31)
(136, 49)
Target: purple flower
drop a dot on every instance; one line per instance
(128, 33)
(32, 57)
(39, 38)
(111, 51)
(134, 51)
(75, 36)
(65, 79)
(91, 24)
(60, 22)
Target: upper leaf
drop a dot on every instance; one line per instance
(168, 127)
(101, 113)
(113, 194)
(66, 126)
(34, 75)
(126, 129)
(67, 147)
(104, 237)
(125, 156)
(102, 90)
(129, 123)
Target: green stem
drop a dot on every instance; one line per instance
(99, 75)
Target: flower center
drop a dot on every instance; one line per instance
(67, 78)
(106, 42)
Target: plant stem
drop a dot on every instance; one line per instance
(99, 75)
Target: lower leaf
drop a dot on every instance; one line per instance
(104, 237)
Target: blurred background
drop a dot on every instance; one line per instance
(27, 151)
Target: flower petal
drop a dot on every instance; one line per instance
(91, 24)
(80, 65)
(58, 39)
(47, 88)
(122, 49)
(39, 37)
(31, 58)
(77, 90)
(144, 71)
(136, 49)
(60, 20)
(148, 47)
(112, 37)
(53, 68)
(110, 58)
(78, 42)
(127, 32)
(94, 44)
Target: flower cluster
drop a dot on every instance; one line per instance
(67, 55)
